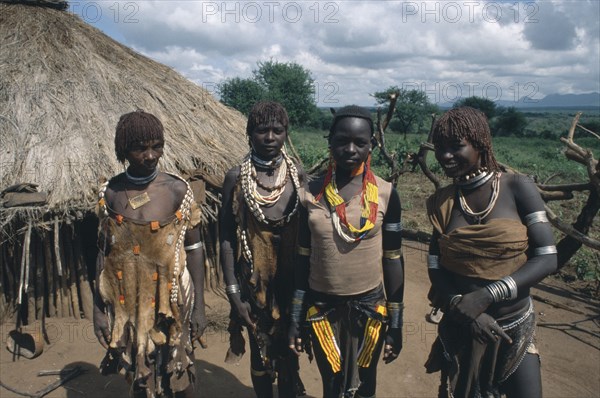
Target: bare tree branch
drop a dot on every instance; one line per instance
(422, 156)
(570, 231)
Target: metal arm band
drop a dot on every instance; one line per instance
(232, 289)
(536, 217)
(433, 261)
(296, 306)
(395, 314)
(195, 246)
(393, 227)
(503, 290)
(392, 254)
(541, 251)
(303, 251)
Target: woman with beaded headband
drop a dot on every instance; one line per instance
(149, 304)
(258, 227)
(350, 272)
(491, 242)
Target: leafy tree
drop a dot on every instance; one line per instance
(241, 94)
(291, 85)
(285, 82)
(413, 107)
(485, 105)
(509, 121)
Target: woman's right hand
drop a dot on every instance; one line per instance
(242, 310)
(471, 305)
(101, 329)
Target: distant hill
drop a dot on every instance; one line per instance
(556, 101)
(565, 101)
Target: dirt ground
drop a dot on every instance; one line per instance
(568, 339)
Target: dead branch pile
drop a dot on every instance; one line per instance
(576, 234)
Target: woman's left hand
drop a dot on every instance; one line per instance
(471, 306)
(198, 322)
(392, 345)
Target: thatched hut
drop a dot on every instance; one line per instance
(63, 86)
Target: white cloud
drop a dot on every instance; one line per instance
(354, 48)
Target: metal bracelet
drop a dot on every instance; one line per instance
(541, 251)
(232, 289)
(393, 227)
(536, 217)
(392, 254)
(303, 251)
(395, 314)
(497, 290)
(192, 247)
(296, 305)
(503, 290)
(512, 287)
(433, 261)
(454, 300)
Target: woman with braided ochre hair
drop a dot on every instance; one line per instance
(150, 267)
(491, 242)
(258, 222)
(350, 272)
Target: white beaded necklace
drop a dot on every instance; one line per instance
(254, 199)
(480, 215)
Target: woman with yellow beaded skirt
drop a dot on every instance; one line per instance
(491, 242)
(349, 274)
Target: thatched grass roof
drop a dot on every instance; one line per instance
(63, 86)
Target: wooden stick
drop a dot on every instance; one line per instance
(64, 294)
(85, 290)
(573, 125)
(588, 131)
(569, 230)
(3, 302)
(40, 292)
(566, 187)
(56, 247)
(65, 377)
(50, 283)
(70, 266)
(555, 304)
(24, 263)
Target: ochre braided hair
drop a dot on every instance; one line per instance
(265, 113)
(472, 125)
(134, 127)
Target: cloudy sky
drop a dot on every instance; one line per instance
(494, 49)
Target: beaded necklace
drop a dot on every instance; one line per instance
(479, 216)
(474, 180)
(141, 180)
(369, 201)
(254, 199)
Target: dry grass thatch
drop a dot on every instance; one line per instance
(63, 86)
